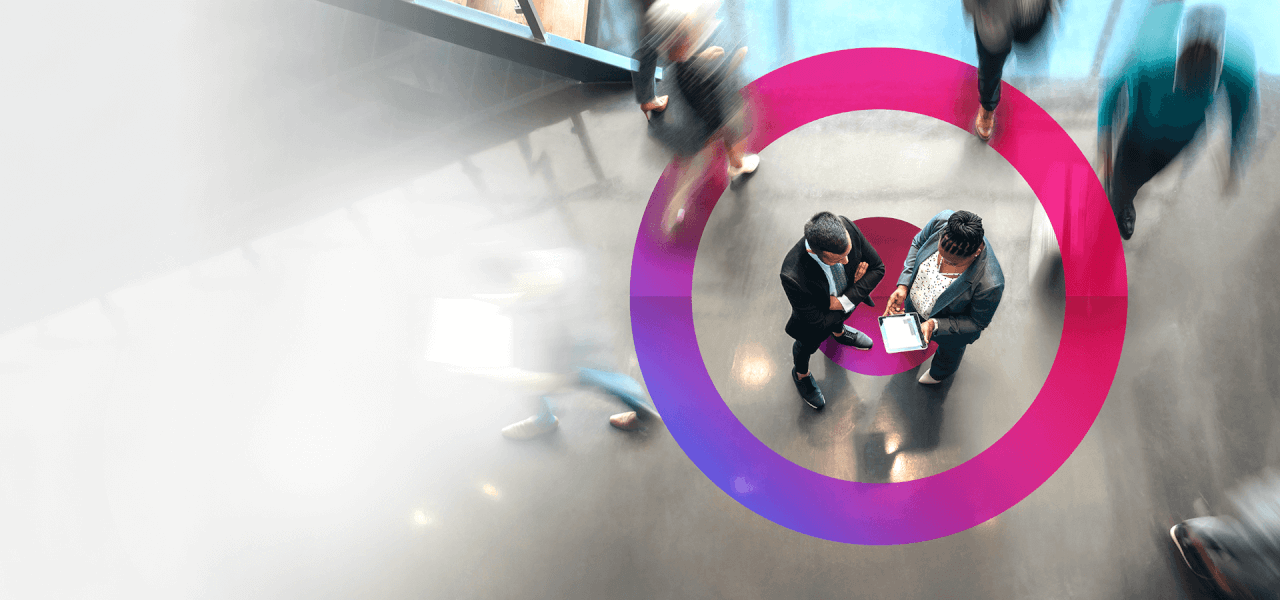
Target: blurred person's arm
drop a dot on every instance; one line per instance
(1107, 101)
(1238, 69)
(643, 79)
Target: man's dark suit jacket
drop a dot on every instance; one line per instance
(810, 295)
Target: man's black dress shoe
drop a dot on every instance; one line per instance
(809, 390)
(854, 339)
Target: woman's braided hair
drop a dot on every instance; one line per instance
(963, 235)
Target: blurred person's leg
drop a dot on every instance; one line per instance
(945, 361)
(734, 138)
(1138, 160)
(643, 81)
(1127, 176)
(626, 389)
(990, 70)
(688, 172)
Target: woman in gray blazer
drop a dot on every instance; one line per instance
(952, 279)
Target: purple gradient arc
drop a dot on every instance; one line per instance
(1022, 459)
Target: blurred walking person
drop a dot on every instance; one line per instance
(716, 120)
(997, 25)
(1239, 553)
(1154, 107)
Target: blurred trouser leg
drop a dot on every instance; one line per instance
(624, 388)
(990, 69)
(1137, 161)
(947, 359)
(1126, 178)
(642, 80)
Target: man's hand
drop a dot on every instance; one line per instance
(712, 53)
(835, 304)
(862, 270)
(896, 301)
(927, 329)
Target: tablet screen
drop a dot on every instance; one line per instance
(901, 333)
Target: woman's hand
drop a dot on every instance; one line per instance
(896, 301)
(927, 328)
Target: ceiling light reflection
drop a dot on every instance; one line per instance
(892, 441)
(907, 467)
(751, 365)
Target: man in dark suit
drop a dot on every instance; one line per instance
(951, 278)
(822, 292)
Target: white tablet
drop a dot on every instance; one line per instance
(901, 333)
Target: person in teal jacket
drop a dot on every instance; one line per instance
(1153, 108)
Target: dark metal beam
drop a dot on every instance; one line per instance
(531, 17)
(494, 35)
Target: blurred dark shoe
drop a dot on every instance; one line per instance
(854, 339)
(985, 124)
(1190, 551)
(1126, 219)
(809, 390)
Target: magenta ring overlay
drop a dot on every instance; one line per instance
(1002, 475)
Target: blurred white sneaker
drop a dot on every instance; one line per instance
(749, 164)
(627, 421)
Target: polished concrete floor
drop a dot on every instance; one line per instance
(222, 384)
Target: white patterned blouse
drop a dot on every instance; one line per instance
(930, 283)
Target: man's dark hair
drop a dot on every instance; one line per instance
(826, 233)
(963, 235)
